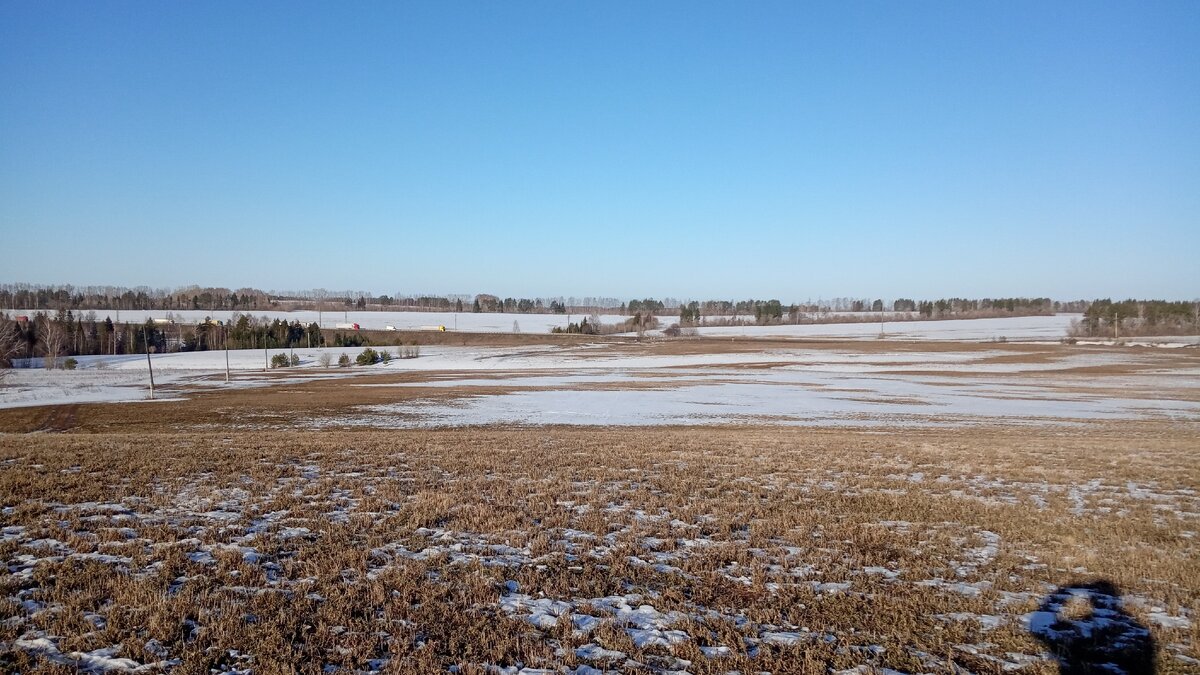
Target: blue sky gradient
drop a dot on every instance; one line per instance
(610, 148)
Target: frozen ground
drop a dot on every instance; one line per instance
(803, 396)
(604, 384)
(807, 387)
(126, 378)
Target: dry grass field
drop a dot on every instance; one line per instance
(203, 536)
(698, 550)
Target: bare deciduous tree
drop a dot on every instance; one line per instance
(10, 345)
(10, 342)
(53, 340)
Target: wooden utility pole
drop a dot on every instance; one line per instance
(149, 365)
(226, 354)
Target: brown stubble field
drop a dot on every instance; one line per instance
(708, 550)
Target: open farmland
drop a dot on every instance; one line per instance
(747, 506)
(631, 550)
(600, 338)
(626, 382)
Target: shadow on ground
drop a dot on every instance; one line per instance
(1088, 631)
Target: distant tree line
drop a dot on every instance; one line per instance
(727, 312)
(773, 311)
(29, 297)
(68, 333)
(638, 323)
(34, 297)
(691, 313)
(648, 305)
(1130, 318)
(969, 308)
(73, 334)
(482, 302)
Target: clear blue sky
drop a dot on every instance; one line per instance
(684, 149)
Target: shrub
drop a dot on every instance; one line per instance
(70, 363)
(295, 360)
(583, 327)
(280, 361)
(325, 359)
(367, 357)
(385, 356)
(343, 361)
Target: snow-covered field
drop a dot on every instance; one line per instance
(604, 384)
(807, 387)
(1007, 329)
(467, 322)
(126, 378)
(802, 396)
(1022, 328)
(1029, 328)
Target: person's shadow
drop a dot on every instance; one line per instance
(1095, 635)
